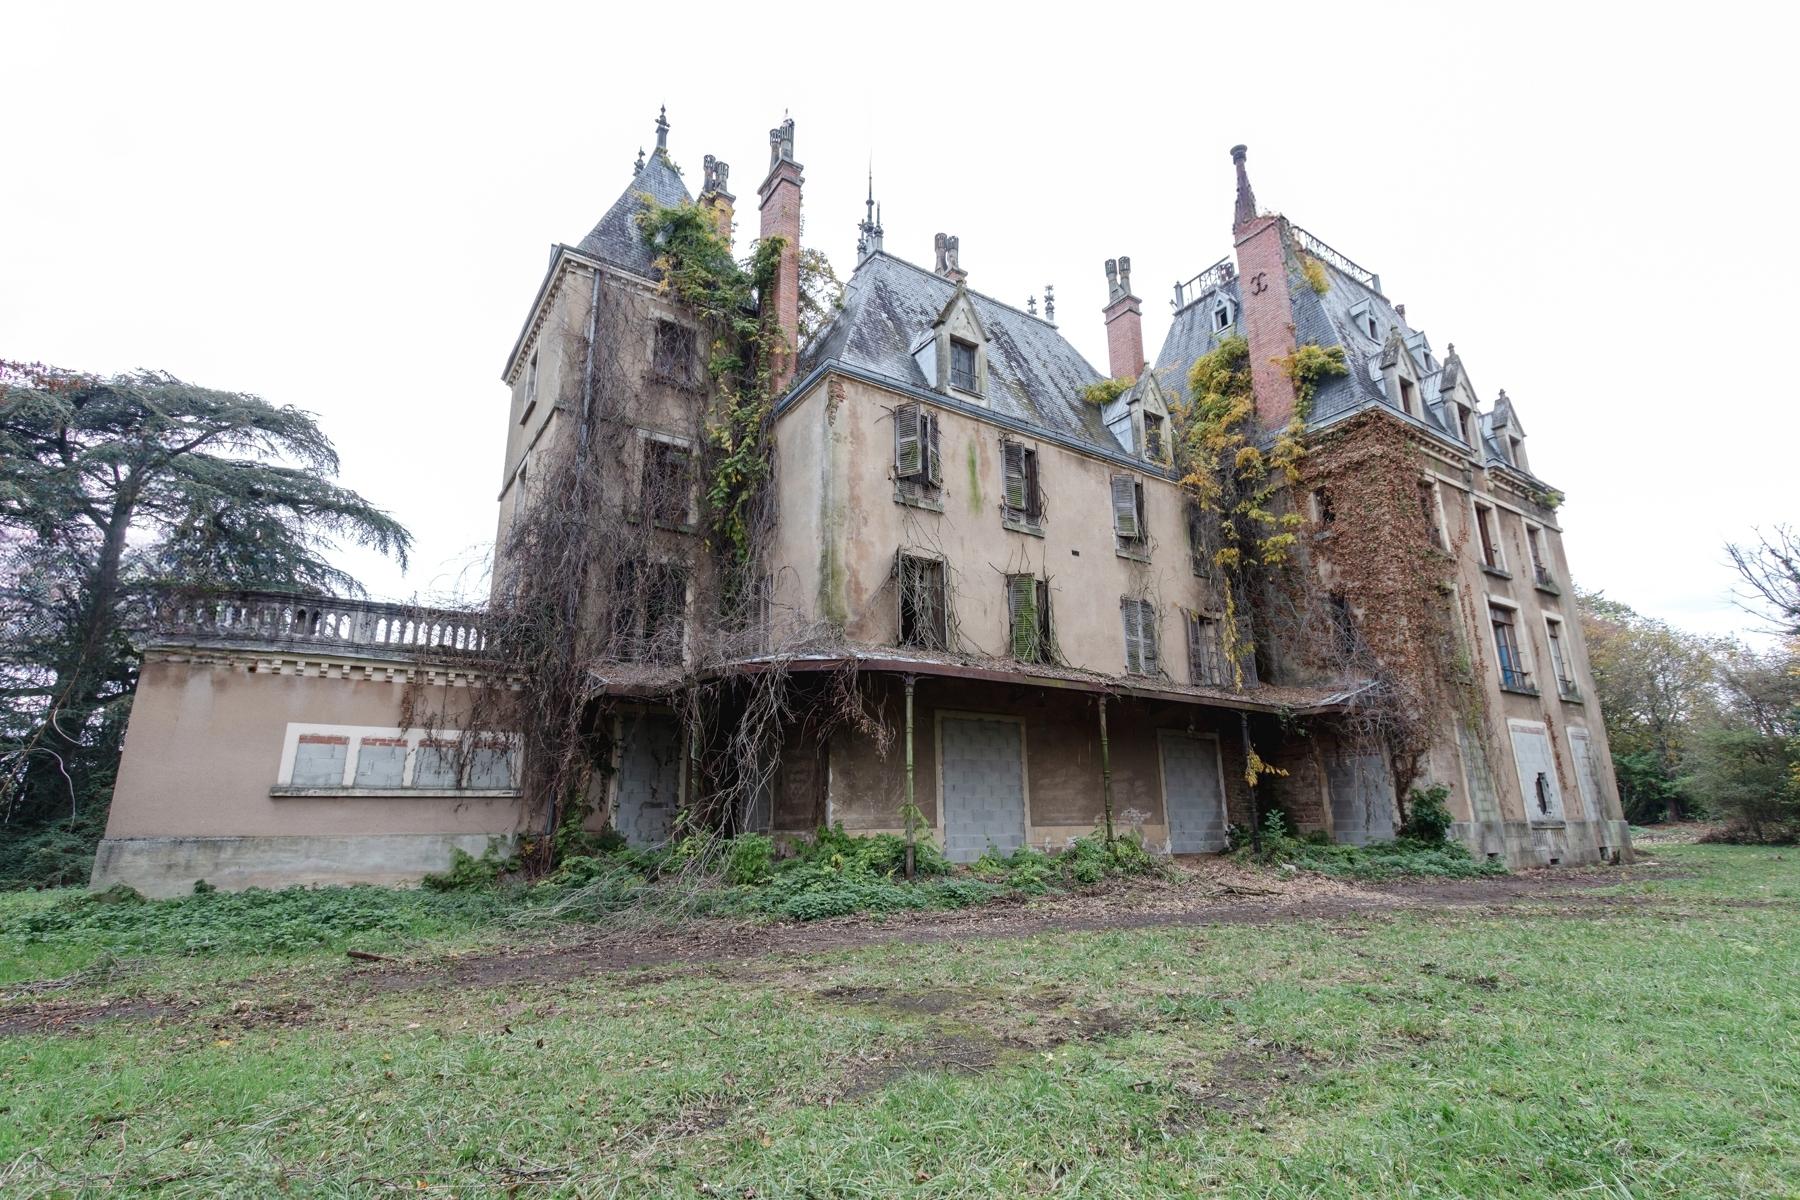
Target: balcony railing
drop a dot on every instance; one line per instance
(1515, 680)
(1541, 576)
(1567, 690)
(282, 619)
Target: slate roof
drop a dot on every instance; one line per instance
(1034, 374)
(616, 239)
(1191, 336)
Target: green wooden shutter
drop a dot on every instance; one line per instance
(1134, 656)
(908, 447)
(1034, 507)
(1022, 615)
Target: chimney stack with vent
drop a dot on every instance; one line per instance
(716, 198)
(780, 194)
(1124, 322)
(1268, 316)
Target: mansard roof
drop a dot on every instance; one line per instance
(616, 240)
(1193, 334)
(1034, 375)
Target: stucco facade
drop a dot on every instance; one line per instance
(964, 511)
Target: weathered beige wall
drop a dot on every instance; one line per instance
(204, 746)
(850, 521)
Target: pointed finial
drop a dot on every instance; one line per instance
(868, 232)
(1246, 199)
(1451, 348)
(1050, 303)
(1031, 305)
(662, 131)
(639, 168)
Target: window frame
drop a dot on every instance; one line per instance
(917, 565)
(1134, 544)
(1487, 538)
(1511, 658)
(416, 742)
(1206, 648)
(968, 382)
(631, 637)
(1038, 644)
(653, 445)
(678, 364)
(1028, 515)
(922, 482)
(1141, 630)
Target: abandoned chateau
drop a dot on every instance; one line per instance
(775, 552)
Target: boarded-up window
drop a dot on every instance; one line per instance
(1028, 618)
(668, 482)
(924, 615)
(1139, 617)
(918, 457)
(1128, 513)
(1205, 656)
(381, 762)
(1537, 770)
(436, 765)
(319, 760)
(491, 766)
(1019, 483)
(674, 358)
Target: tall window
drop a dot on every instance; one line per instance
(1428, 507)
(649, 622)
(674, 357)
(962, 367)
(1506, 649)
(924, 612)
(531, 377)
(1206, 659)
(1490, 544)
(1028, 618)
(1140, 636)
(1020, 500)
(1565, 683)
(1540, 573)
(1323, 512)
(1128, 516)
(1408, 397)
(668, 482)
(918, 459)
(1154, 436)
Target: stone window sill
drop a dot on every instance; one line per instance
(1496, 572)
(928, 503)
(1516, 690)
(1549, 589)
(1134, 553)
(1020, 525)
(1548, 823)
(283, 791)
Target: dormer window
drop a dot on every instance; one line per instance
(1462, 423)
(1516, 449)
(1153, 436)
(1222, 316)
(1371, 328)
(962, 367)
(1408, 397)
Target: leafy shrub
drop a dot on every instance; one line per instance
(750, 859)
(256, 921)
(1373, 862)
(1427, 816)
(58, 854)
(470, 874)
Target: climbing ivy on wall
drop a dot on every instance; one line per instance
(699, 271)
(1233, 472)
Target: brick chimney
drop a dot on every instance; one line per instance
(716, 199)
(1268, 316)
(780, 194)
(1124, 322)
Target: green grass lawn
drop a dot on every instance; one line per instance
(1640, 1041)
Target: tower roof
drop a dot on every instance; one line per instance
(616, 239)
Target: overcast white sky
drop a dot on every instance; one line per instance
(349, 207)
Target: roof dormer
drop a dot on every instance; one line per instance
(956, 350)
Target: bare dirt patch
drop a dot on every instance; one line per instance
(1209, 892)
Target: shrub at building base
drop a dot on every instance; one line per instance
(1407, 857)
